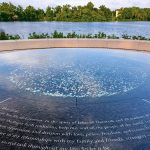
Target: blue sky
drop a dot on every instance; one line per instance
(113, 4)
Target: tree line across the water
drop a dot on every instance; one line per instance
(56, 34)
(87, 13)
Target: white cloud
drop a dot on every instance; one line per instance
(113, 4)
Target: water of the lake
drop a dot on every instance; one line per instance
(117, 28)
(74, 99)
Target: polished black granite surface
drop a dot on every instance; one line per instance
(75, 99)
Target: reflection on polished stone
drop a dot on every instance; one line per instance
(74, 99)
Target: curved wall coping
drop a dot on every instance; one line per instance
(137, 45)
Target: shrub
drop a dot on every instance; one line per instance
(5, 36)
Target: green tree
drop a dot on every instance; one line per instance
(7, 11)
(125, 14)
(30, 14)
(49, 13)
(40, 14)
(90, 5)
(147, 14)
(107, 14)
(66, 13)
(20, 13)
(10, 12)
(57, 13)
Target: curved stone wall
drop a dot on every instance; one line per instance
(74, 43)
